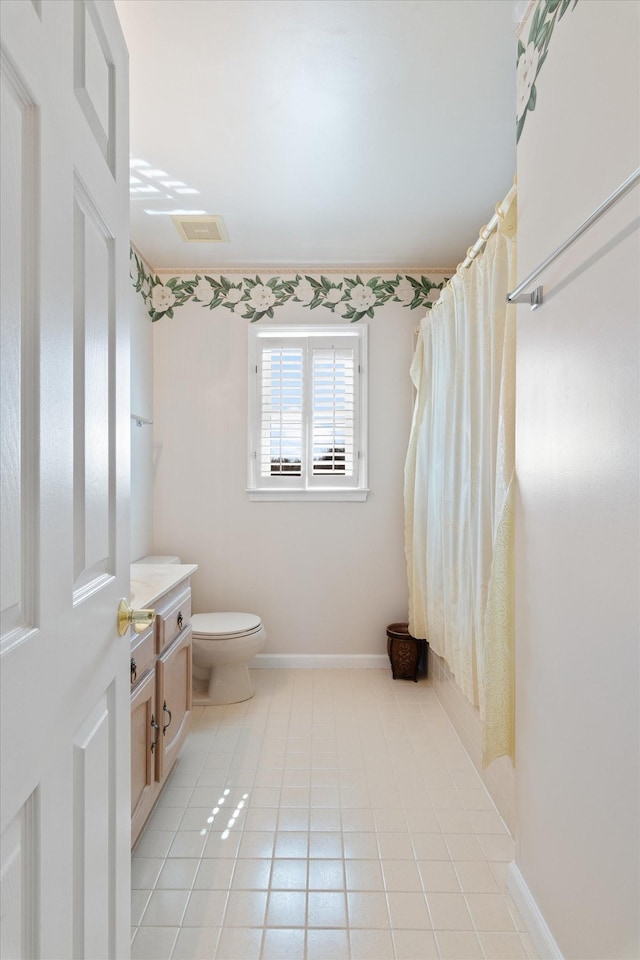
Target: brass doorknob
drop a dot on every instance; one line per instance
(138, 619)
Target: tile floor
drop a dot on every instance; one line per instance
(335, 815)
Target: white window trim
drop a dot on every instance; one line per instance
(257, 490)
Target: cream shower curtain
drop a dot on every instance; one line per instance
(459, 484)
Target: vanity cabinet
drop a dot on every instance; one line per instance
(160, 699)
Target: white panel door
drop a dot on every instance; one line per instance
(64, 354)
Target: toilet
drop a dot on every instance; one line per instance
(223, 645)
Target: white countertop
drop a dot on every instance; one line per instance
(150, 580)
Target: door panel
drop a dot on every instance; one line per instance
(94, 77)
(18, 366)
(93, 891)
(64, 671)
(17, 889)
(92, 359)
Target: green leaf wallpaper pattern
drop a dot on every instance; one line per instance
(252, 298)
(532, 57)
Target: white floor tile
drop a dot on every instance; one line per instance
(178, 874)
(145, 872)
(401, 875)
(449, 911)
(205, 908)
(438, 876)
(476, 876)
(503, 946)
(364, 875)
(139, 901)
(458, 945)
(288, 874)
(238, 943)
(368, 909)
(196, 943)
(408, 911)
(326, 875)
(280, 943)
(286, 908)
(322, 944)
(411, 944)
(251, 874)
(245, 908)
(334, 815)
(215, 874)
(154, 943)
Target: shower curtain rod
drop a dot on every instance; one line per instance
(484, 234)
(535, 299)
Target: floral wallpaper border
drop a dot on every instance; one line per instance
(532, 57)
(349, 297)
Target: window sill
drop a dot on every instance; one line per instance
(316, 495)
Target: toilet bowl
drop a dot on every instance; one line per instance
(223, 645)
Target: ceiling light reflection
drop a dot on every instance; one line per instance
(234, 816)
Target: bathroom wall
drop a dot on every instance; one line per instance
(500, 776)
(326, 578)
(578, 575)
(141, 436)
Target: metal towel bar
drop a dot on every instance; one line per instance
(534, 299)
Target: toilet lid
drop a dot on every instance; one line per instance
(224, 624)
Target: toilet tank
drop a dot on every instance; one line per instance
(159, 559)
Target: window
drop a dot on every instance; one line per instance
(307, 406)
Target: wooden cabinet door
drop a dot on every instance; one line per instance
(174, 700)
(144, 747)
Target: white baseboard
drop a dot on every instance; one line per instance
(530, 912)
(320, 661)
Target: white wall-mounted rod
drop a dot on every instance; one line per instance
(140, 420)
(535, 298)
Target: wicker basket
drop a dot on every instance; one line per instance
(407, 654)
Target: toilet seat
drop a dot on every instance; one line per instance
(224, 626)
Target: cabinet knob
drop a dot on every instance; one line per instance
(180, 620)
(134, 670)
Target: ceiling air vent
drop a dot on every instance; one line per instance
(201, 229)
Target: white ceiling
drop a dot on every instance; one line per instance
(327, 133)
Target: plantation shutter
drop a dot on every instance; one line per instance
(307, 430)
(282, 434)
(333, 411)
